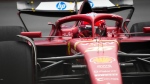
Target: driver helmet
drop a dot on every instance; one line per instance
(98, 23)
(86, 28)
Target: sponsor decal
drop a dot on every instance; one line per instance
(104, 66)
(104, 71)
(67, 34)
(98, 43)
(100, 48)
(102, 59)
(103, 79)
(71, 10)
(107, 74)
(61, 5)
(113, 32)
(95, 41)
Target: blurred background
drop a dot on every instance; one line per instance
(9, 17)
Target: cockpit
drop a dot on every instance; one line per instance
(85, 28)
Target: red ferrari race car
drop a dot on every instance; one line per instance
(88, 52)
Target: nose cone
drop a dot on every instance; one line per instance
(101, 58)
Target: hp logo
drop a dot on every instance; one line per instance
(91, 3)
(61, 5)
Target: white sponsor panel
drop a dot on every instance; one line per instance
(102, 3)
(56, 5)
(97, 3)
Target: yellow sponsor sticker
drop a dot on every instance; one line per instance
(69, 48)
(102, 59)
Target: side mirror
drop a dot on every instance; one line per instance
(32, 34)
(49, 23)
(146, 29)
(53, 28)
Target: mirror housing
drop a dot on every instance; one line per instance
(146, 29)
(50, 23)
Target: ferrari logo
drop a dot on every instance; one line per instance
(100, 48)
(102, 59)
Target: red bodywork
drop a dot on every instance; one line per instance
(100, 57)
(100, 54)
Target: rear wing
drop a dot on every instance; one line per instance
(61, 8)
(66, 6)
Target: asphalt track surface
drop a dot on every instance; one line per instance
(8, 16)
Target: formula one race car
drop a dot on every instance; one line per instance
(88, 52)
